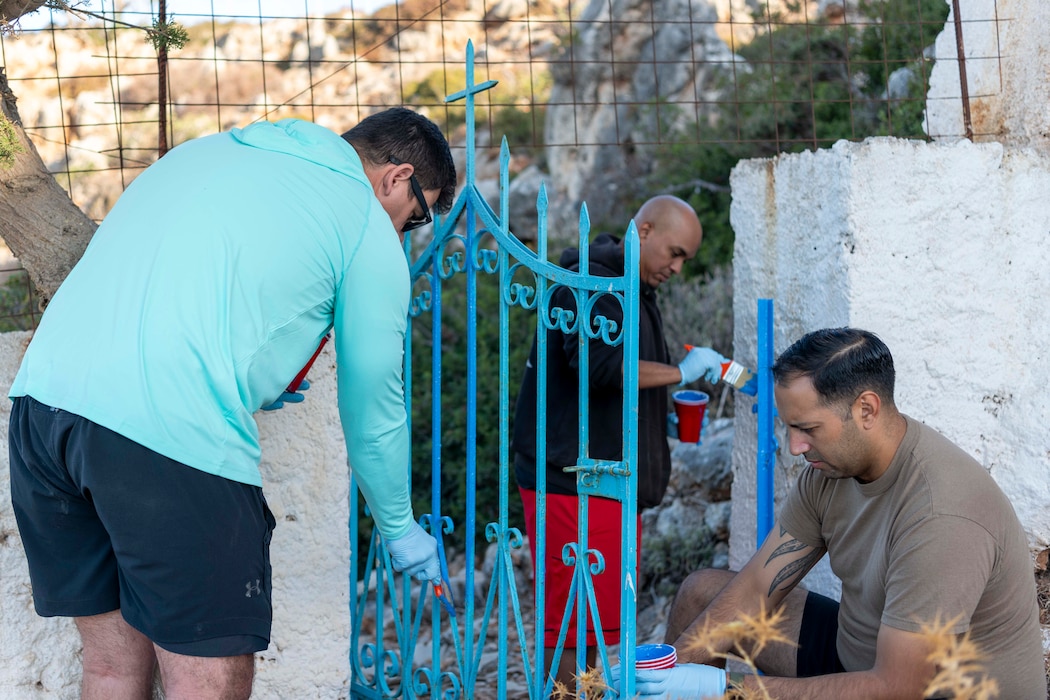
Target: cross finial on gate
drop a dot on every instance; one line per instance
(468, 93)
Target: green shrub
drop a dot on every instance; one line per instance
(18, 297)
(805, 86)
(10, 146)
(667, 560)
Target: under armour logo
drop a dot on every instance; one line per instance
(253, 588)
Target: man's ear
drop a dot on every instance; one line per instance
(394, 176)
(866, 409)
(645, 229)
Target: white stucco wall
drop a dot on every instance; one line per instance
(941, 249)
(306, 485)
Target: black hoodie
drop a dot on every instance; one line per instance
(606, 391)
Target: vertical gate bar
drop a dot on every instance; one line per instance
(540, 565)
(506, 578)
(471, 487)
(472, 368)
(766, 449)
(471, 523)
(629, 523)
(407, 373)
(584, 367)
(435, 431)
(504, 351)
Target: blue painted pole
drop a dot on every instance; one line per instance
(766, 410)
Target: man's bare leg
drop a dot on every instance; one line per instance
(206, 677)
(697, 592)
(118, 659)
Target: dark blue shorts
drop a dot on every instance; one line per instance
(108, 524)
(817, 651)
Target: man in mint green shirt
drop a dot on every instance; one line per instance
(134, 451)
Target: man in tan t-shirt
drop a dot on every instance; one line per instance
(916, 529)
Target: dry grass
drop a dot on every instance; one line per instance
(747, 638)
(592, 685)
(957, 659)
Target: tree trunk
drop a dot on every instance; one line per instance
(38, 220)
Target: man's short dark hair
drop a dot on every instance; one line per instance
(410, 138)
(841, 362)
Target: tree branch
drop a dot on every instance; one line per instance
(11, 10)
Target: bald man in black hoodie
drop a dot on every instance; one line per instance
(669, 234)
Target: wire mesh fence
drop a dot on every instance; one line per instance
(610, 99)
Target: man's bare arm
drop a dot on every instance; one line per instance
(652, 374)
(762, 584)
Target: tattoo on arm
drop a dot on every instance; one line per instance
(794, 569)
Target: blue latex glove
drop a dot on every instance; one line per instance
(614, 678)
(701, 362)
(416, 554)
(287, 397)
(750, 388)
(683, 682)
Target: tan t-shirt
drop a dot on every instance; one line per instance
(932, 538)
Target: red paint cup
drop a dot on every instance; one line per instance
(689, 406)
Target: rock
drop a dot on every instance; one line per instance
(677, 517)
(716, 519)
(899, 82)
(705, 469)
(720, 560)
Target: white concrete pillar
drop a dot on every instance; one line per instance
(941, 249)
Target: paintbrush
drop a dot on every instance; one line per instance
(737, 376)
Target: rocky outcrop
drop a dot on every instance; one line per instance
(636, 71)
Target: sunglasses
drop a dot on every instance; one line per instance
(414, 223)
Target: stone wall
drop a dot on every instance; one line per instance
(306, 486)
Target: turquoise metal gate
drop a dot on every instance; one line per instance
(389, 661)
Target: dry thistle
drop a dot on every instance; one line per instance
(591, 683)
(747, 637)
(960, 673)
(561, 692)
(756, 632)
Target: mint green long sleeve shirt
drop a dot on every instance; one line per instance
(209, 285)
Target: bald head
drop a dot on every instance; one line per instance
(669, 233)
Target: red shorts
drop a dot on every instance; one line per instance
(604, 535)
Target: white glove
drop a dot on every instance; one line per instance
(683, 682)
(416, 554)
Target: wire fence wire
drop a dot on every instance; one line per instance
(689, 86)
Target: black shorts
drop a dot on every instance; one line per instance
(108, 524)
(817, 651)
